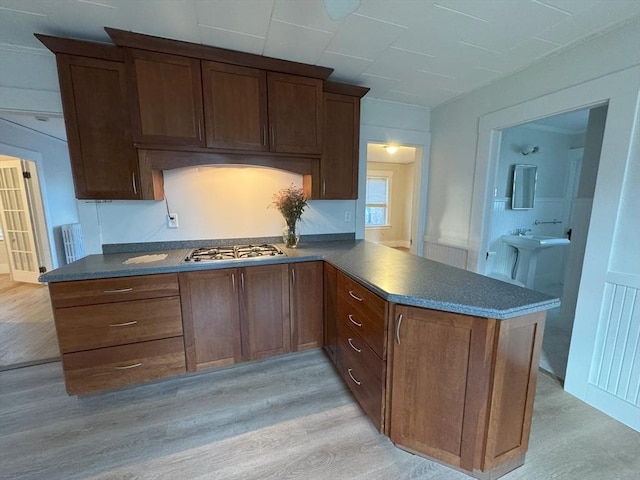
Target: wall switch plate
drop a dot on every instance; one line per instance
(172, 220)
(347, 216)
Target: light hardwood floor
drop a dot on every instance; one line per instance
(27, 331)
(289, 417)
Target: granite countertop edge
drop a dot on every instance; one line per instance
(345, 256)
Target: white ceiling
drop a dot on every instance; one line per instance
(420, 52)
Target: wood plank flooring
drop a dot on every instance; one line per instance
(27, 331)
(289, 417)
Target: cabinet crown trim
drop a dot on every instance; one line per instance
(141, 41)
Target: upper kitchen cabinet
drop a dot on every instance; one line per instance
(340, 156)
(235, 106)
(167, 98)
(104, 161)
(295, 113)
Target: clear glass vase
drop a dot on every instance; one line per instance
(290, 236)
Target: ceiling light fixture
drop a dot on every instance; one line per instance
(391, 149)
(529, 149)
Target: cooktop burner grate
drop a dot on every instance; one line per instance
(235, 252)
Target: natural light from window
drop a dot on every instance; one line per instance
(377, 201)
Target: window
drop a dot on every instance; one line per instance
(376, 208)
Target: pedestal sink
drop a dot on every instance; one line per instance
(528, 247)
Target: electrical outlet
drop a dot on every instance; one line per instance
(347, 215)
(172, 220)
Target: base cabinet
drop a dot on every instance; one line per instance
(462, 387)
(211, 318)
(235, 314)
(331, 311)
(306, 305)
(118, 331)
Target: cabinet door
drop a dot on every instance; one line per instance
(330, 311)
(438, 381)
(265, 311)
(306, 305)
(235, 106)
(211, 319)
(167, 106)
(340, 157)
(295, 113)
(94, 98)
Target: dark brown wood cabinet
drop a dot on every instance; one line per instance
(331, 311)
(104, 162)
(166, 106)
(235, 106)
(462, 387)
(211, 318)
(340, 157)
(306, 305)
(118, 331)
(341, 142)
(361, 335)
(264, 307)
(295, 113)
(235, 314)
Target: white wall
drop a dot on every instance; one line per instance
(454, 125)
(211, 202)
(54, 169)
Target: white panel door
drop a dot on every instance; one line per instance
(16, 223)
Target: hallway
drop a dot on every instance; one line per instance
(27, 332)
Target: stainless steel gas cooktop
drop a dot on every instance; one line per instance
(235, 252)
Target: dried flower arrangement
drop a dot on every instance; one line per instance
(291, 202)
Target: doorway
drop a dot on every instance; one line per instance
(389, 195)
(564, 150)
(600, 366)
(27, 332)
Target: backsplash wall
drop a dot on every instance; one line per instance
(211, 202)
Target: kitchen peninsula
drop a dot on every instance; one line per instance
(442, 360)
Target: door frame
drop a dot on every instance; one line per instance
(45, 243)
(619, 90)
(421, 141)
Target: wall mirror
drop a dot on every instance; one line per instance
(524, 187)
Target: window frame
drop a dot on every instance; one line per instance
(388, 176)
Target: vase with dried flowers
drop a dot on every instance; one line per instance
(291, 202)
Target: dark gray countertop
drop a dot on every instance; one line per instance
(394, 275)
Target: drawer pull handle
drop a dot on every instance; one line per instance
(125, 324)
(353, 295)
(119, 290)
(398, 329)
(127, 367)
(353, 346)
(353, 321)
(353, 378)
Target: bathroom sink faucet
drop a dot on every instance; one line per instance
(522, 231)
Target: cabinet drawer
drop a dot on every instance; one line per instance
(106, 325)
(360, 297)
(108, 290)
(370, 328)
(112, 367)
(363, 372)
